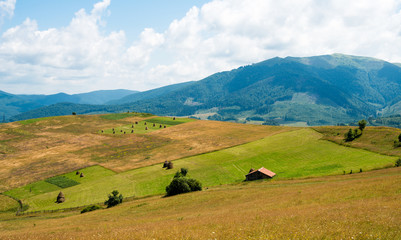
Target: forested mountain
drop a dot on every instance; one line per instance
(319, 90)
(12, 104)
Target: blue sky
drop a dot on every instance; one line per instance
(132, 16)
(78, 46)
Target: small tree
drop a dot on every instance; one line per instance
(177, 186)
(398, 162)
(114, 199)
(349, 136)
(184, 171)
(74, 113)
(181, 184)
(362, 124)
(399, 137)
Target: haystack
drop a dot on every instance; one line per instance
(77, 173)
(60, 198)
(82, 175)
(165, 164)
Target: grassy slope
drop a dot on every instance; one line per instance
(375, 139)
(37, 149)
(357, 206)
(305, 156)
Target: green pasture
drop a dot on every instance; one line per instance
(118, 116)
(59, 182)
(295, 154)
(146, 126)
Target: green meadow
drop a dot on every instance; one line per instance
(291, 155)
(145, 126)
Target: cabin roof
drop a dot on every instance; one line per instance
(264, 171)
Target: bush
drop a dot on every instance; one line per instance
(182, 184)
(178, 186)
(362, 124)
(91, 208)
(399, 137)
(114, 199)
(194, 184)
(184, 171)
(349, 136)
(398, 162)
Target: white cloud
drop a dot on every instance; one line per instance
(220, 35)
(6, 9)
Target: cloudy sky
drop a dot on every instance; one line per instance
(75, 46)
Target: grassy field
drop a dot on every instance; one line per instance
(306, 156)
(375, 139)
(37, 149)
(357, 206)
(146, 126)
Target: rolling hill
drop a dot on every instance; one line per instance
(320, 90)
(314, 194)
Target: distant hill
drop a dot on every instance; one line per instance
(154, 93)
(320, 90)
(12, 104)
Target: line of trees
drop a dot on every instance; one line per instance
(356, 133)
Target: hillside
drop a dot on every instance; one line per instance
(124, 151)
(36, 149)
(357, 206)
(320, 90)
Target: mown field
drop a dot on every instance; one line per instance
(356, 206)
(306, 156)
(37, 149)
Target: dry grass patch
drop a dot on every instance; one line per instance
(375, 139)
(362, 206)
(36, 149)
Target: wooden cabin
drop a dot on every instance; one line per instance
(261, 173)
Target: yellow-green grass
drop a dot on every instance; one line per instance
(296, 154)
(118, 116)
(357, 206)
(146, 126)
(375, 139)
(40, 187)
(52, 146)
(32, 189)
(8, 204)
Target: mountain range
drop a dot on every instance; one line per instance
(14, 104)
(319, 90)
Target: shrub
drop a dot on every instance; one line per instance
(91, 208)
(357, 133)
(399, 137)
(177, 186)
(184, 172)
(194, 184)
(398, 162)
(349, 136)
(362, 124)
(181, 184)
(114, 199)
